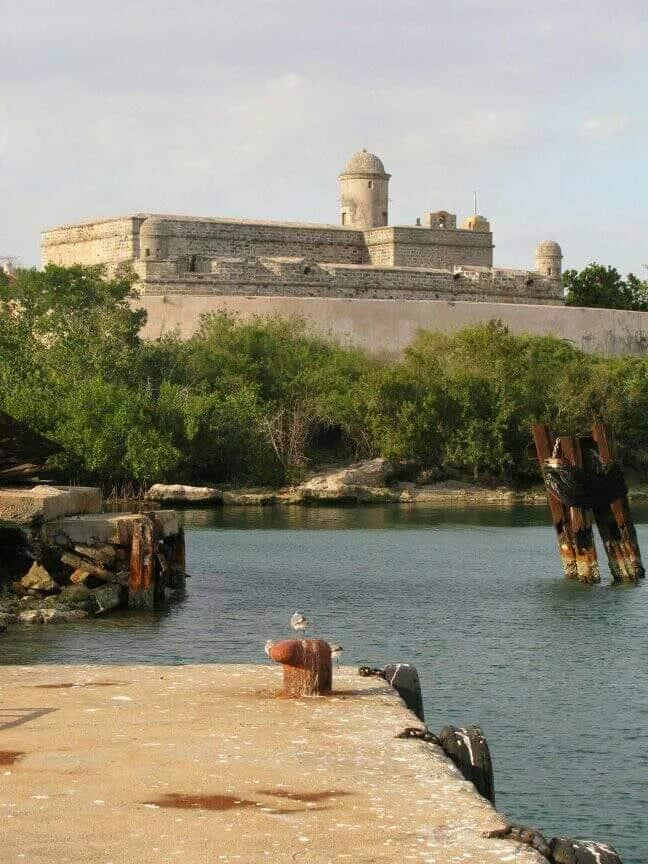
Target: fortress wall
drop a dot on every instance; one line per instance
(223, 238)
(297, 277)
(108, 241)
(429, 247)
(387, 326)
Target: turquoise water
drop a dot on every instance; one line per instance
(555, 673)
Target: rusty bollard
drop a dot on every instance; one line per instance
(306, 665)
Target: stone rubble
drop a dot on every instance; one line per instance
(82, 568)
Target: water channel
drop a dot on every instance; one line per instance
(555, 673)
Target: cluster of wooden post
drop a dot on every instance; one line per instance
(156, 564)
(574, 520)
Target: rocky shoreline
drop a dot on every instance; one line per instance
(374, 481)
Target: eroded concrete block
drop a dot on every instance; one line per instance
(101, 528)
(45, 503)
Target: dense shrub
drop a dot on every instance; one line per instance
(260, 401)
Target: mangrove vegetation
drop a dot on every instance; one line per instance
(261, 402)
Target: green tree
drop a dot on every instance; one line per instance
(602, 286)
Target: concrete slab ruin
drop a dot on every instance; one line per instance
(43, 503)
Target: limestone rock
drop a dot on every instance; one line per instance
(363, 481)
(58, 616)
(53, 602)
(74, 615)
(179, 494)
(107, 598)
(31, 616)
(39, 579)
(75, 594)
(51, 616)
(79, 563)
(9, 605)
(82, 576)
(252, 497)
(104, 555)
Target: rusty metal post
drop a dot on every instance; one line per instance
(620, 536)
(544, 443)
(581, 520)
(143, 585)
(306, 666)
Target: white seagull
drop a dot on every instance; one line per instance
(268, 646)
(299, 622)
(336, 652)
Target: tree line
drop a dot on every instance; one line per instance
(262, 401)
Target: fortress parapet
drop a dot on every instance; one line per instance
(364, 256)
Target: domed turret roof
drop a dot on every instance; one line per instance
(548, 247)
(363, 162)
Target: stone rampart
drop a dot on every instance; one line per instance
(300, 277)
(183, 238)
(109, 241)
(429, 247)
(388, 326)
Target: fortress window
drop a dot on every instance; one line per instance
(370, 184)
(192, 263)
(147, 252)
(549, 271)
(343, 218)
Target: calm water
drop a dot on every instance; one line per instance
(556, 674)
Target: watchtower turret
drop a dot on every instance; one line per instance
(548, 259)
(364, 192)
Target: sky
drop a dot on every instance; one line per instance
(212, 108)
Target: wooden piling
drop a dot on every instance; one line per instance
(581, 519)
(619, 534)
(544, 443)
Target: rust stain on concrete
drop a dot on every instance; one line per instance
(183, 801)
(8, 757)
(66, 685)
(305, 797)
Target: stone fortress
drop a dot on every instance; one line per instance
(362, 257)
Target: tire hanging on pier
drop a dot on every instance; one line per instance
(469, 751)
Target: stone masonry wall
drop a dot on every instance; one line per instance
(429, 247)
(115, 240)
(388, 326)
(109, 242)
(212, 238)
(299, 277)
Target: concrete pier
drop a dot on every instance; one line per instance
(208, 764)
